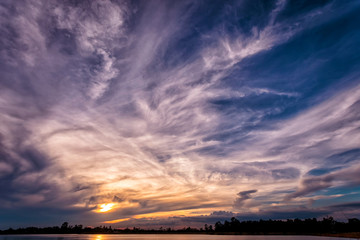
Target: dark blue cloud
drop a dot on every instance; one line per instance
(321, 171)
(25, 217)
(282, 215)
(344, 157)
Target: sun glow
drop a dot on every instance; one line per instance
(167, 214)
(105, 207)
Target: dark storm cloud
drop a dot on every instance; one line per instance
(34, 216)
(21, 168)
(289, 214)
(352, 205)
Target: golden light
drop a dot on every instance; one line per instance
(105, 207)
(177, 213)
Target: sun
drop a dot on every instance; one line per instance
(105, 207)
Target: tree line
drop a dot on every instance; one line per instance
(65, 228)
(233, 226)
(290, 226)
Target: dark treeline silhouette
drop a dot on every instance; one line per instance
(291, 226)
(79, 229)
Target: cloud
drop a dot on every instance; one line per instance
(286, 173)
(243, 196)
(344, 157)
(347, 177)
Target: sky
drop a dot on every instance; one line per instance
(178, 113)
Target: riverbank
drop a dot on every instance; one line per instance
(355, 235)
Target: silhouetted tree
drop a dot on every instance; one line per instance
(64, 226)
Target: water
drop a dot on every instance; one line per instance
(160, 237)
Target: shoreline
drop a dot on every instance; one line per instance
(354, 235)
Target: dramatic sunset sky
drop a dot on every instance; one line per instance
(178, 113)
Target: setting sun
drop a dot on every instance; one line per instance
(105, 207)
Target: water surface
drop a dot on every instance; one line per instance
(160, 237)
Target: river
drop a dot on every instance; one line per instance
(161, 237)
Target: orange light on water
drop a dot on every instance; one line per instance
(98, 237)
